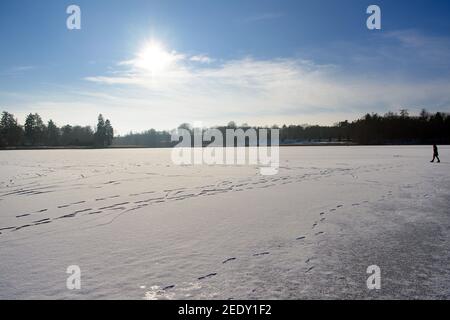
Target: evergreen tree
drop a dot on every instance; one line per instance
(34, 130)
(29, 128)
(100, 134)
(185, 126)
(231, 125)
(11, 133)
(53, 134)
(109, 132)
(105, 133)
(66, 135)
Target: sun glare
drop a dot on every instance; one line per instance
(154, 58)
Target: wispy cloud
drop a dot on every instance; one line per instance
(17, 70)
(162, 88)
(267, 91)
(435, 49)
(263, 16)
(201, 59)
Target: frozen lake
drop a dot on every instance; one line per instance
(140, 227)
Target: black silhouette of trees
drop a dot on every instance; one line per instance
(150, 138)
(104, 134)
(34, 130)
(53, 134)
(100, 132)
(391, 128)
(11, 133)
(35, 133)
(77, 136)
(109, 133)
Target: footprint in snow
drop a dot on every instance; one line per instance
(309, 269)
(169, 287)
(261, 254)
(228, 260)
(207, 276)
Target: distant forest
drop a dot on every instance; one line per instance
(372, 129)
(35, 133)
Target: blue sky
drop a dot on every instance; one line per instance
(259, 62)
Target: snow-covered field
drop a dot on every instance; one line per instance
(140, 227)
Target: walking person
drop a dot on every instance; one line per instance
(435, 154)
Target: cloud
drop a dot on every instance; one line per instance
(432, 49)
(263, 16)
(17, 70)
(283, 90)
(201, 59)
(22, 68)
(139, 93)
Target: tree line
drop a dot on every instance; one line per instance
(391, 128)
(372, 129)
(35, 133)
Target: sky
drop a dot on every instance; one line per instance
(156, 64)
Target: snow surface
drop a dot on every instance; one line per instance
(141, 227)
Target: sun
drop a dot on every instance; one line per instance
(154, 58)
